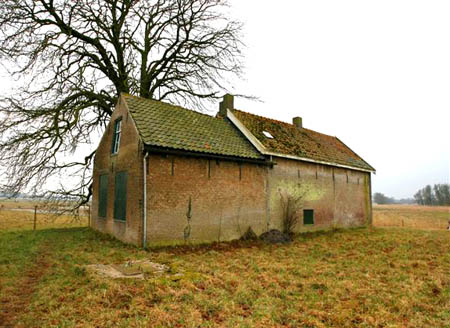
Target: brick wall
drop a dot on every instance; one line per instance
(226, 198)
(129, 159)
(339, 197)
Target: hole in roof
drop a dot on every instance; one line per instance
(267, 134)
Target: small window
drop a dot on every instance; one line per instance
(116, 136)
(267, 134)
(120, 196)
(102, 195)
(308, 216)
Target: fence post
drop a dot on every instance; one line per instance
(34, 220)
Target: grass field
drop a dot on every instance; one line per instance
(19, 215)
(18, 203)
(344, 278)
(14, 220)
(411, 216)
(6, 204)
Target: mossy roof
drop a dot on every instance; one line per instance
(288, 139)
(164, 125)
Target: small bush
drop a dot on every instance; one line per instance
(291, 204)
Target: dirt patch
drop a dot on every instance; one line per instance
(14, 305)
(131, 269)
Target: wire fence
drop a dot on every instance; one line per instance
(19, 216)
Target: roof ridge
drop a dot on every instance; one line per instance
(354, 152)
(324, 134)
(286, 123)
(260, 116)
(169, 104)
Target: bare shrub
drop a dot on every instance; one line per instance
(291, 203)
(187, 229)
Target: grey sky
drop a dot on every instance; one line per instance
(374, 73)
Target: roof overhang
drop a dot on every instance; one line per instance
(263, 150)
(181, 152)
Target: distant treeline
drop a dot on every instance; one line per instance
(11, 195)
(439, 194)
(380, 198)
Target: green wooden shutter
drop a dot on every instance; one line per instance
(120, 196)
(308, 216)
(102, 195)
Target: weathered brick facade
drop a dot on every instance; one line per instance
(129, 159)
(339, 197)
(225, 196)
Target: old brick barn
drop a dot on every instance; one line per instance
(163, 173)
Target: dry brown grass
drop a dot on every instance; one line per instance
(23, 220)
(411, 216)
(342, 278)
(18, 214)
(6, 204)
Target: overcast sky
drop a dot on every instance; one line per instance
(374, 73)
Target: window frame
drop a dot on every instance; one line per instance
(117, 133)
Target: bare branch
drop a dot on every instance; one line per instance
(74, 58)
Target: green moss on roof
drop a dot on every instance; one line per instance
(165, 125)
(291, 140)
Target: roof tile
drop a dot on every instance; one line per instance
(288, 139)
(165, 125)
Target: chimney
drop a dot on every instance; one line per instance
(297, 121)
(226, 103)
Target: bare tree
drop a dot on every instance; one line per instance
(442, 194)
(439, 194)
(418, 197)
(74, 58)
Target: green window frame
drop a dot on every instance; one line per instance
(102, 195)
(308, 217)
(120, 196)
(116, 136)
